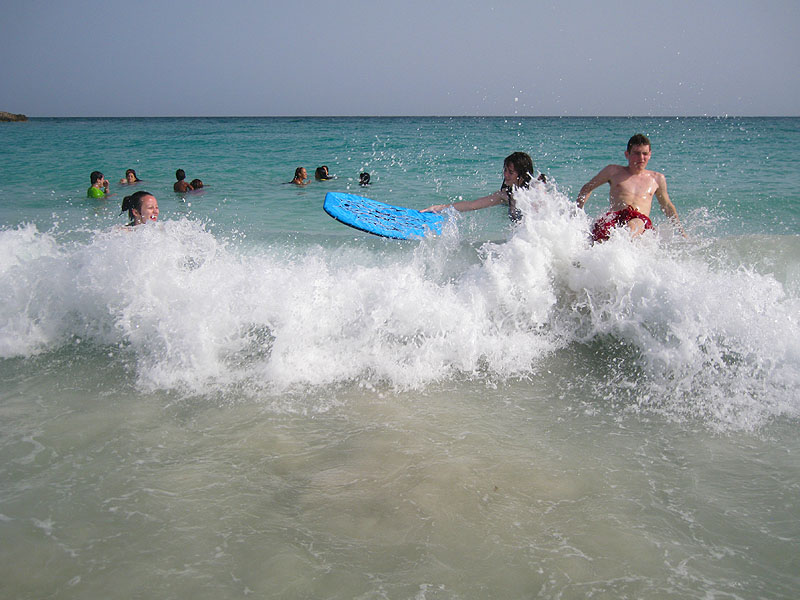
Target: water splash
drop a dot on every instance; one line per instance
(200, 314)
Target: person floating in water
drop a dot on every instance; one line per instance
(130, 177)
(363, 179)
(300, 176)
(181, 185)
(99, 187)
(517, 174)
(196, 184)
(142, 208)
(631, 193)
(322, 174)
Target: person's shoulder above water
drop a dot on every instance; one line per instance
(181, 185)
(322, 174)
(130, 177)
(300, 176)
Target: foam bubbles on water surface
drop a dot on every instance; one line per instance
(200, 314)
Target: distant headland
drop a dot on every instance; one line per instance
(6, 116)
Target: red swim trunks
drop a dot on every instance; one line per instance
(601, 230)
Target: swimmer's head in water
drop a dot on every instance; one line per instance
(96, 176)
(363, 179)
(522, 165)
(130, 176)
(180, 175)
(196, 184)
(142, 207)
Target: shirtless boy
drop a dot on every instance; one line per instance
(631, 193)
(181, 185)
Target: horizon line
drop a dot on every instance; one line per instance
(464, 116)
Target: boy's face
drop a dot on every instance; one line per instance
(638, 156)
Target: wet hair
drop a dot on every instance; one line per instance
(363, 179)
(638, 140)
(134, 202)
(95, 177)
(131, 171)
(196, 184)
(522, 164)
(297, 172)
(321, 173)
(180, 175)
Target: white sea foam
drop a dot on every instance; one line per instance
(202, 315)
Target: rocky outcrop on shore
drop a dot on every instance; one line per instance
(6, 116)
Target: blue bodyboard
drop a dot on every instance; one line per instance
(382, 219)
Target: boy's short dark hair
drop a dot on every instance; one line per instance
(638, 140)
(180, 175)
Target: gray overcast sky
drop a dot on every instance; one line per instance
(412, 57)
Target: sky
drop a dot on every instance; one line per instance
(404, 58)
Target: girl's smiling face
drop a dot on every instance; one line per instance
(147, 212)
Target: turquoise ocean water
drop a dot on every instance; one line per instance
(249, 398)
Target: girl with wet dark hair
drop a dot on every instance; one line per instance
(517, 174)
(130, 177)
(142, 207)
